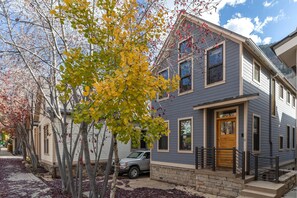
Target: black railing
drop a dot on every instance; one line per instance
(264, 168)
(214, 158)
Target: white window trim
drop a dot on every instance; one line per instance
(280, 86)
(260, 130)
(288, 148)
(293, 102)
(224, 66)
(192, 139)
(293, 148)
(237, 124)
(165, 98)
(188, 55)
(192, 77)
(287, 91)
(280, 149)
(164, 150)
(255, 61)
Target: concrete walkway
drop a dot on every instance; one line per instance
(16, 181)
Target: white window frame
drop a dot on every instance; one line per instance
(164, 150)
(254, 65)
(281, 87)
(280, 149)
(293, 101)
(165, 98)
(260, 130)
(288, 95)
(188, 55)
(224, 66)
(192, 77)
(288, 148)
(178, 135)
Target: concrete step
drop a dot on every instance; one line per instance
(264, 186)
(256, 194)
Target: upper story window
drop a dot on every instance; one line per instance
(215, 65)
(257, 72)
(281, 142)
(293, 101)
(288, 137)
(281, 92)
(165, 74)
(288, 97)
(185, 48)
(46, 139)
(185, 74)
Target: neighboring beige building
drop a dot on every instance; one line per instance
(45, 146)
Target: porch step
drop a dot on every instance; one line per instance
(264, 186)
(256, 194)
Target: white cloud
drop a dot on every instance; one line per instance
(266, 40)
(270, 4)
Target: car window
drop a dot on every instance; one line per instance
(134, 155)
(147, 155)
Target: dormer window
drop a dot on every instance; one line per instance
(185, 48)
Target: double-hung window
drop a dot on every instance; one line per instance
(288, 137)
(293, 137)
(273, 102)
(281, 92)
(215, 65)
(185, 48)
(185, 135)
(185, 74)
(288, 97)
(163, 143)
(165, 74)
(46, 140)
(257, 72)
(281, 142)
(256, 133)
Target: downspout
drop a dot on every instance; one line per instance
(270, 133)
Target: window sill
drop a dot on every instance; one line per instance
(185, 57)
(257, 82)
(162, 99)
(179, 151)
(280, 150)
(256, 152)
(274, 116)
(186, 92)
(162, 151)
(214, 84)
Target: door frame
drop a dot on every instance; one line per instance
(237, 124)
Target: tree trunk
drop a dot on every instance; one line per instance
(116, 170)
(107, 169)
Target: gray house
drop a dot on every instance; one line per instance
(233, 115)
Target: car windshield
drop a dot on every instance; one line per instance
(134, 155)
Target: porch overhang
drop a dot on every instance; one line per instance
(227, 101)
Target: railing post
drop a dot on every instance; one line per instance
(234, 160)
(243, 166)
(214, 159)
(277, 169)
(256, 167)
(248, 162)
(196, 157)
(202, 157)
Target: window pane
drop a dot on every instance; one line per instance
(163, 94)
(288, 137)
(215, 65)
(294, 100)
(163, 143)
(281, 92)
(281, 142)
(185, 68)
(293, 137)
(185, 47)
(185, 138)
(257, 69)
(256, 133)
(288, 97)
(185, 84)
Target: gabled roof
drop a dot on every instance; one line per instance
(249, 43)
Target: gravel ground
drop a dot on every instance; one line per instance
(17, 181)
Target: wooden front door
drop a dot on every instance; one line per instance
(226, 139)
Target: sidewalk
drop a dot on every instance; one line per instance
(16, 181)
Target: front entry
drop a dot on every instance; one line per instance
(226, 137)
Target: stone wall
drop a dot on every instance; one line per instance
(289, 181)
(181, 176)
(220, 183)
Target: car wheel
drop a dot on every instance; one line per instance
(133, 172)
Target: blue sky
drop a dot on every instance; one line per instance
(264, 21)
